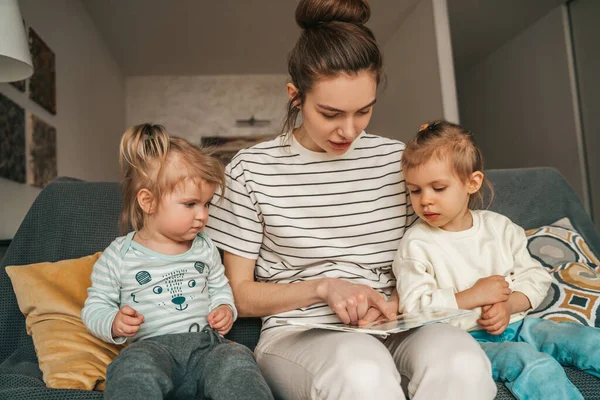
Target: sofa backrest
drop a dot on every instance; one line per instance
(72, 219)
(69, 219)
(534, 197)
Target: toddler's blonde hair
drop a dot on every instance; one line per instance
(152, 159)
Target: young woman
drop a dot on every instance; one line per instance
(310, 223)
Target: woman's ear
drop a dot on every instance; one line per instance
(292, 92)
(474, 182)
(145, 199)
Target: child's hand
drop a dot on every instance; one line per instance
(127, 322)
(496, 317)
(221, 319)
(491, 290)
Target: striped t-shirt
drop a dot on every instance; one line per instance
(174, 293)
(306, 215)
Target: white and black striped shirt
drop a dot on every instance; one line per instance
(306, 215)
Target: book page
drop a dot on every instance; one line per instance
(383, 328)
(405, 322)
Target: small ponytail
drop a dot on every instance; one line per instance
(142, 147)
(142, 144)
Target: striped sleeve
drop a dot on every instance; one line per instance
(103, 300)
(235, 222)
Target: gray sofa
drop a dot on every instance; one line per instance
(71, 219)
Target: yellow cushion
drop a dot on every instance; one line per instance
(51, 296)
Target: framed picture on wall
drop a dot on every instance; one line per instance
(41, 139)
(42, 84)
(12, 140)
(225, 147)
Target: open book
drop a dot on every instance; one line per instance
(383, 328)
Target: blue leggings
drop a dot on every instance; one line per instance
(528, 355)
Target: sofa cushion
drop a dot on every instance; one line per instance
(574, 294)
(51, 296)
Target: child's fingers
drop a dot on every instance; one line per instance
(127, 322)
(214, 314)
(221, 324)
(226, 328)
(488, 314)
(210, 316)
(130, 330)
(121, 329)
(217, 316)
(132, 321)
(126, 310)
(486, 322)
(497, 328)
(224, 331)
(493, 312)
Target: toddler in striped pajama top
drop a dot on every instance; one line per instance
(162, 288)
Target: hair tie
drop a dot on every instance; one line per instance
(423, 127)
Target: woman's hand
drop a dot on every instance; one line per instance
(496, 317)
(373, 314)
(351, 302)
(127, 322)
(221, 319)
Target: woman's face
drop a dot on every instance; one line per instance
(336, 111)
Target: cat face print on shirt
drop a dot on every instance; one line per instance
(173, 289)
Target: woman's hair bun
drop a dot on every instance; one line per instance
(310, 13)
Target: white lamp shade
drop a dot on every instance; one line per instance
(15, 59)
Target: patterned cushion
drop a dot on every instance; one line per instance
(575, 291)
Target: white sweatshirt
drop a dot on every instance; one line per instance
(432, 265)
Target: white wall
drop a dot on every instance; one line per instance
(519, 102)
(196, 106)
(586, 48)
(90, 102)
(420, 87)
(420, 75)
